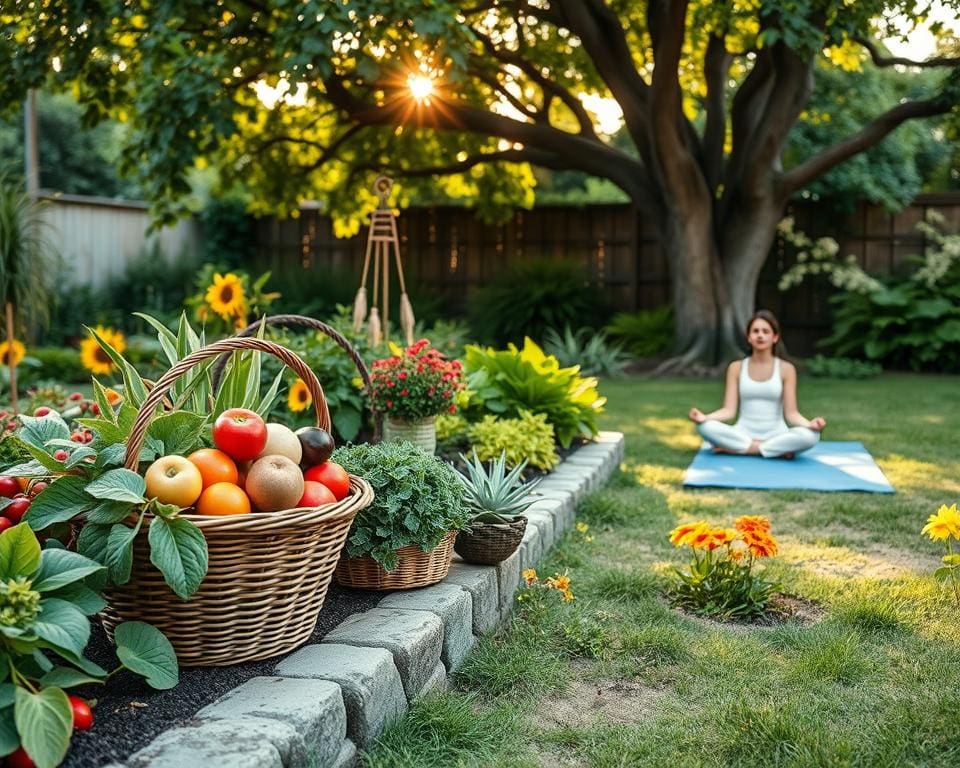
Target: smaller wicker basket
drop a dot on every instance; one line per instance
(490, 543)
(415, 568)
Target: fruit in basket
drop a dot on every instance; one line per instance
(317, 445)
(9, 486)
(174, 480)
(223, 499)
(274, 483)
(331, 475)
(282, 442)
(316, 495)
(215, 466)
(240, 433)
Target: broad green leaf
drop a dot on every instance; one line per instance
(110, 512)
(59, 502)
(6, 695)
(40, 430)
(103, 402)
(19, 552)
(9, 738)
(111, 455)
(119, 485)
(347, 421)
(77, 660)
(82, 596)
(63, 624)
(59, 567)
(41, 455)
(80, 454)
(120, 551)
(179, 431)
(31, 469)
(93, 542)
(145, 650)
(179, 550)
(65, 677)
(45, 722)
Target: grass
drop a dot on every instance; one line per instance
(872, 682)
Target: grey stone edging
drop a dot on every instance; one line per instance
(328, 700)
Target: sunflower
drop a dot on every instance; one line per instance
(226, 296)
(299, 398)
(94, 357)
(11, 353)
(942, 525)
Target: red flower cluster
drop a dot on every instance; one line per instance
(417, 384)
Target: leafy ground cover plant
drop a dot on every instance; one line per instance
(525, 439)
(720, 580)
(945, 526)
(587, 348)
(506, 382)
(823, 367)
(418, 500)
(46, 597)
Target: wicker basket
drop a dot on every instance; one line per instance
(308, 322)
(490, 543)
(268, 573)
(415, 568)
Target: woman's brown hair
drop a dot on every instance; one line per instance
(767, 316)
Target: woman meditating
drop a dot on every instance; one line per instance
(766, 388)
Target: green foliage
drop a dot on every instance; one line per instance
(586, 348)
(527, 438)
(451, 427)
(506, 382)
(492, 494)
(822, 367)
(59, 363)
(530, 297)
(46, 597)
(646, 333)
(312, 291)
(717, 585)
(418, 500)
(228, 232)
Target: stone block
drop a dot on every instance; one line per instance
(348, 757)
(437, 682)
(415, 638)
(481, 582)
(368, 677)
(250, 743)
(531, 548)
(313, 708)
(453, 605)
(508, 579)
(546, 524)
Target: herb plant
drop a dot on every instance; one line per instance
(417, 500)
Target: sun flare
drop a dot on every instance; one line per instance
(421, 86)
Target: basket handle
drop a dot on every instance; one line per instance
(164, 383)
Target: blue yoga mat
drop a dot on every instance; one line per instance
(828, 466)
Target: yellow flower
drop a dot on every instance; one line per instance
(226, 296)
(560, 582)
(529, 576)
(240, 323)
(567, 595)
(583, 527)
(11, 353)
(94, 357)
(686, 534)
(752, 523)
(299, 398)
(944, 524)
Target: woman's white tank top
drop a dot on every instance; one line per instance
(761, 402)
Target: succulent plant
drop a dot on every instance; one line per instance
(494, 495)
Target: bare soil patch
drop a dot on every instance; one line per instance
(590, 703)
(782, 609)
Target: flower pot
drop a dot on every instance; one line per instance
(490, 543)
(420, 432)
(415, 568)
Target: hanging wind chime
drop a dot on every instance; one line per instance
(380, 239)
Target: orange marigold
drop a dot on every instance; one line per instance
(752, 523)
(684, 534)
(760, 544)
(721, 536)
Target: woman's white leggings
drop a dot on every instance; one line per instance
(736, 439)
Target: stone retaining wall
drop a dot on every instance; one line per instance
(327, 700)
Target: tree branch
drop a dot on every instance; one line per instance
(891, 61)
(870, 135)
(716, 64)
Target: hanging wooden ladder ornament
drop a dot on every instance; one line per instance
(380, 239)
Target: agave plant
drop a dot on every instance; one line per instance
(591, 350)
(494, 495)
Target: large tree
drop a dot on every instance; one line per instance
(709, 91)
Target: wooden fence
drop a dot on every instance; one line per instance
(449, 252)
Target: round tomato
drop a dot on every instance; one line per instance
(240, 433)
(331, 475)
(215, 466)
(82, 716)
(173, 480)
(9, 486)
(223, 499)
(315, 495)
(17, 508)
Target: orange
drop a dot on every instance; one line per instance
(215, 466)
(223, 499)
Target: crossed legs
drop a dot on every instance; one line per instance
(734, 439)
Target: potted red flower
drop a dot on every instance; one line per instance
(411, 388)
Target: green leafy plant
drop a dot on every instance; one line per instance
(526, 439)
(586, 348)
(493, 494)
(822, 367)
(647, 333)
(506, 382)
(415, 383)
(418, 500)
(452, 427)
(60, 363)
(532, 296)
(46, 597)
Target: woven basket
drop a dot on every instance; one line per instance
(490, 543)
(268, 572)
(415, 568)
(308, 322)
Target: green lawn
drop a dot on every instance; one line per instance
(618, 678)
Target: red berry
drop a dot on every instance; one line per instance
(96, 409)
(17, 508)
(76, 437)
(42, 411)
(82, 716)
(4, 414)
(75, 396)
(5, 522)
(9, 486)
(19, 759)
(38, 488)
(11, 425)
(61, 455)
